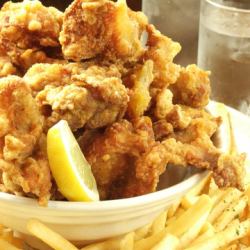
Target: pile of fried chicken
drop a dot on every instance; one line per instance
(110, 74)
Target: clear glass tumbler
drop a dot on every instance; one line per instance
(224, 49)
(179, 20)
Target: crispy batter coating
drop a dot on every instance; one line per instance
(226, 168)
(162, 129)
(6, 67)
(127, 161)
(139, 95)
(92, 97)
(230, 172)
(24, 168)
(163, 103)
(112, 156)
(200, 151)
(162, 50)
(25, 29)
(101, 28)
(192, 87)
(29, 23)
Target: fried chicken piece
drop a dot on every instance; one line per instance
(123, 172)
(162, 50)
(192, 87)
(29, 24)
(178, 119)
(27, 58)
(139, 95)
(227, 169)
(42, 74)
(112, 156)
(31, 178)
(145, 177)
(198, 149)
(230, 171)
(163, 103)
(102, 28)
(93, 96)
(162, 129)
(198, 129)
(16, 99)
(87, 138)
(25, 29)
(21, 124)
(6, 67)
(168, 117)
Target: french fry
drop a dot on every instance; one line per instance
(142, 232)
(55, 240)
(159, 223)
(230, 195)
(149, 242)
(188, 199)
(213, 188)
(169, 242)
(170, 220)
(125, 242)
(216, 197)
(179, 212)
(172, 209)
(180, 225)
(207, 226)
(5, 245)
(247, 192)
(223, 238)
(1, 229)
(233, 223)
(205, 235)
(190, 216)
(234, 209)
(193, 231)
(210, 231)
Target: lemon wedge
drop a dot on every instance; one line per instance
(68, 165)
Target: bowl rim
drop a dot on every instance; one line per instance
(110, 205)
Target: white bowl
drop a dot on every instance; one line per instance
(81, 222)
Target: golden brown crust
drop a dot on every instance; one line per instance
(21, 130)
(192, 88)
(93, 97)
(139, 95)
(27, 28)
(101, 28)
(113, 154)
(162, 50)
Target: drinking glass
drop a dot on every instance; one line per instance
(224, 49)
(179, 20)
